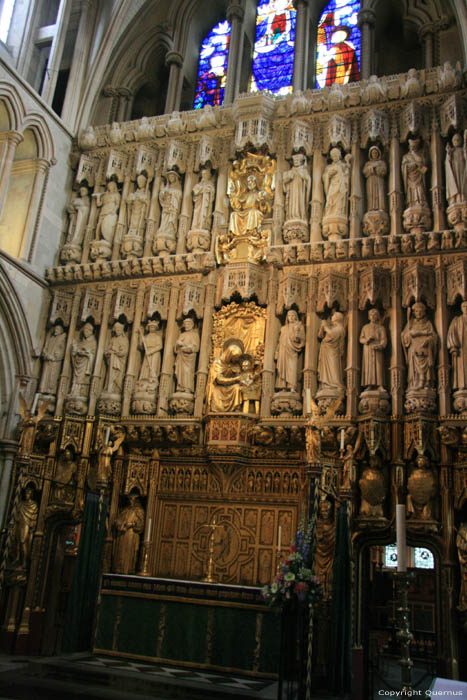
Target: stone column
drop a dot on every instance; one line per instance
(184, 219)
(174, 61)
(167, 369)
(101, 343)
(397, 355)
(301, 50)
(125, 104)
(63, 382)
(221, 206)
(426, 34)
(366, 24)
(8, 450)
(154, 214)
(441, 324)
(396, 198)
(317, 196)
(272, 334)
(437, 167)
(56, 51)
(132, 354)
(313, 19)
(278, 208)
(235, 15)
(9, 140)
(353, 345)
(205, 346)
(121, 227)
(356, 193)
(78, 65)
(41, 168)
(310, 366)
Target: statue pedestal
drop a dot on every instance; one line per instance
(335, 227)
(164, 244)
(376, 223)
(328, 395)
(100, 250)
(198, 241)
(295, 231)
(71, 253)
(457, 216)
(76, 404)
(182, 402)
(460, 400)
(132, 246)
(111, 404)
(420, 400)
(417, 219)
(286, 403)
(374, 401)
(144, 397)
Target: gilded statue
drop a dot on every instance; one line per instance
(151, 342)
(25, 522)
(186, 350)
(128, 526)
(29, 423)
(373, 487)
(250, 382)
(115, 357)
(461, 544)
(315, 424)
(297, 187)
(170, 198)
(225, 391)
(108, 202)
(62, 491)
(373, 337)
(83, 353)
(291, 343)
(331, 353)
(421, 488)
(52, 355)
(103, 474)
(420, 343)
(457, 346)
(325, 544)
(456, 170)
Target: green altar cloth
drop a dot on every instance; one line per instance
(204, 625)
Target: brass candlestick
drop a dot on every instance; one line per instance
(209, 578)
(144, 570)
(404, 635)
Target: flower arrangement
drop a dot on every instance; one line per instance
(294, 579)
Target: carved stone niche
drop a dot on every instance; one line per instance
(456, 282)
(332, 291)
(374, 288)
(293, 291)
(253, 114)
(245, 279)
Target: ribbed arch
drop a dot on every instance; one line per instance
(13, 105)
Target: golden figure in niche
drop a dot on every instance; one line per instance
(251, 194)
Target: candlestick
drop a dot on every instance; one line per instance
(401, 538)
(308, 400)
(342, 439)
(34, 404)
(107, 435)
(148, 536)
(279, 538)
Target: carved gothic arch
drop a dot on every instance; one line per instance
(13, 105)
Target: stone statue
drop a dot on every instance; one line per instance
(456, 170)
(376, 219)
(457, 346)
(325, 543)
(25, 522)
(29, 423)
(170, 198)
(151, 343)
(115, 356)
(417, 215)
(336, 180)
(203, 198)
(461, 544)
(291, 343)
(186, 350)
(297, 185)
(129, 525)
(52, 354)
(137, 209)
(250, 381)
(78, 209)
(83, 353)
(224, 391)
(109, 203)
(331, 353)
(66, 468)
(374, 339)
(420, 344)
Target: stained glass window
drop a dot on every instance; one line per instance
(423, 558)
(338, 46)
(273, 54)
(212, 70)
(390, 556)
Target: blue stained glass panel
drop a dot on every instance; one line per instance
(424, 558)
(274, 50)
(212, 70)
(338, 44)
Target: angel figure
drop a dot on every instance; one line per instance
(29, 424)
(315, 425)
(104, 461)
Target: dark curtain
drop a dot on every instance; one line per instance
(81, 607)
(341, 613)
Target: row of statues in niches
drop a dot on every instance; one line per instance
(234, 378)
(145, 219)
